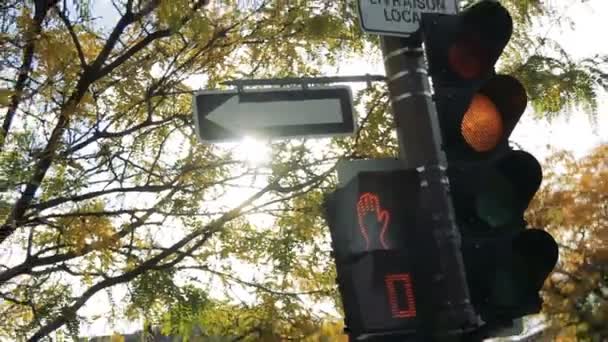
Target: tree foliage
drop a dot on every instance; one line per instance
(555, 82)
(105, 185)
(573, 206)
(108, 197)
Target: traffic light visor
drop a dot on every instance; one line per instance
(493, 113)
(508, 188)
(485, 30)
(536, 254)
(510, 98)
(524, 174)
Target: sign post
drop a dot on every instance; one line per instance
(444, 305)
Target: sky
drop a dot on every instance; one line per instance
(574, 132)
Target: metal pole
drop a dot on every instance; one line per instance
(442, 291)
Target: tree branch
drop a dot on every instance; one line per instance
(41, 10)
(78, 198)
(251, 284)
(70, 28)
(91, 74)
(206, 233)
(36, 260)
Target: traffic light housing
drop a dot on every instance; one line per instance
(506, 263)
(491, 185)
(477, 109)
(372, 220)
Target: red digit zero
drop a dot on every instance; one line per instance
(400, 295)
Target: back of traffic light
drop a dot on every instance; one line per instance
(491, 184)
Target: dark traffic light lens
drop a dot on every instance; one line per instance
(482, 125)
(506, 188)
(497, 204)
(469, 59)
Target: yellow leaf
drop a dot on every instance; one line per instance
(5, 96)
(170, 12)
(587, 181)
(94, 230)
(25, 22)
(116, 337)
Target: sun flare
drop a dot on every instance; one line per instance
(255, 151)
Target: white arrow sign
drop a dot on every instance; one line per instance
(399, 17)
(275, 113)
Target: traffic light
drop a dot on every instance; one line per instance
(371, 221)
(506, 263)
(491, 185)
(477, 109)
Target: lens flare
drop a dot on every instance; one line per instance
(482, 126)
(255, 151)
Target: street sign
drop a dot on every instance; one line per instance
(222, 116)
(399, 17)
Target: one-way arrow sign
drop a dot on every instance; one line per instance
(275, 113)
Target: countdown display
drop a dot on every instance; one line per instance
(381, 294)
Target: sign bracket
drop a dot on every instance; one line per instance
(303, 82)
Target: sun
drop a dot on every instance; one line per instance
(255, 151)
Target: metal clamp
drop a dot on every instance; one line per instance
(433, 171)
(404, 73)
(415, 51)
(411, 94)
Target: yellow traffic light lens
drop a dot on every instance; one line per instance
(482, 125)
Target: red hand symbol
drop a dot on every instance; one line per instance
(369, 205)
